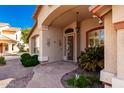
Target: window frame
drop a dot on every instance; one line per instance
(91, 30)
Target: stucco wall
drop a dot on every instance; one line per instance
(50, 44)
(117, 9)
(110, 44)
(86, 25)
(44, 12)
(35, 32)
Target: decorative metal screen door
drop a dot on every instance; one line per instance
(70, 47)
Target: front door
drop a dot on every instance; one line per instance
(70, 47)
(1, 48)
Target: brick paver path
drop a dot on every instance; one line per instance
(13, 74)
(49, 75)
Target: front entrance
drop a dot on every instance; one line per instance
(69, 47)
(1, 48)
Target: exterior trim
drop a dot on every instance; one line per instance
(119, 25)
(36, 11)
(31, 31)
(96, 28)
(104, 83)
(106, 13)
(96, 8)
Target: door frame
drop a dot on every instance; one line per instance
(65, 46)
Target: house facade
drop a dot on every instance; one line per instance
(9, 39)
(61, 32)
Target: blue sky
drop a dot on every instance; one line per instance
(17, 15)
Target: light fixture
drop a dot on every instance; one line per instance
(77, 22)
(99, 19)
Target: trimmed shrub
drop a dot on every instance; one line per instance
(28, 61)
(2, 60)
(25, 56)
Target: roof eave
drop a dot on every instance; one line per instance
(36, 12)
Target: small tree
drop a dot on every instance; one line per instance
(25, 34)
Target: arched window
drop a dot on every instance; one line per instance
(69, 30)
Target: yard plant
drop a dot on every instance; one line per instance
(2, 60)
(28, 61)
(92, 59)
(83, 81)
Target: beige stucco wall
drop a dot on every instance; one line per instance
(110, 37)
(118, 14)
(49, 13)
(87, 25)
(44, 12)
(49, 41)
(120, 54)
(110, 48)
(31, 42)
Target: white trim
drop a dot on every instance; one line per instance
(74, 46)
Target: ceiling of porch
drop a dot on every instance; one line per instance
(69, 16)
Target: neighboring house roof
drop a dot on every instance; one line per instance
(4, 24)
(2, 37)
(13, 29)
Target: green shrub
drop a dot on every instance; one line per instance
(25, 56)
(28, 61)
(81, 82)
(2, 60)
(92, 59)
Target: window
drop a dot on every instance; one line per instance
(96, 38)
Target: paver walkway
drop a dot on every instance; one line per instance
(13, 74)
(49, 75)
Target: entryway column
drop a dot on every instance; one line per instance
(118, 20)
(75, 46)
(110, 48)
(41, 43)
(10, 48)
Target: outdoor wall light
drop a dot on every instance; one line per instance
(77, 22)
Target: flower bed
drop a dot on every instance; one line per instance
(84, 80)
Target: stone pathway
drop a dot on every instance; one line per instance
(49, 75)
(13, 74)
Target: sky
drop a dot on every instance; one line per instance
(17, 15)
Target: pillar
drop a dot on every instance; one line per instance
(10, 48)
(110, 54)
(118, 20)
(41, 57)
